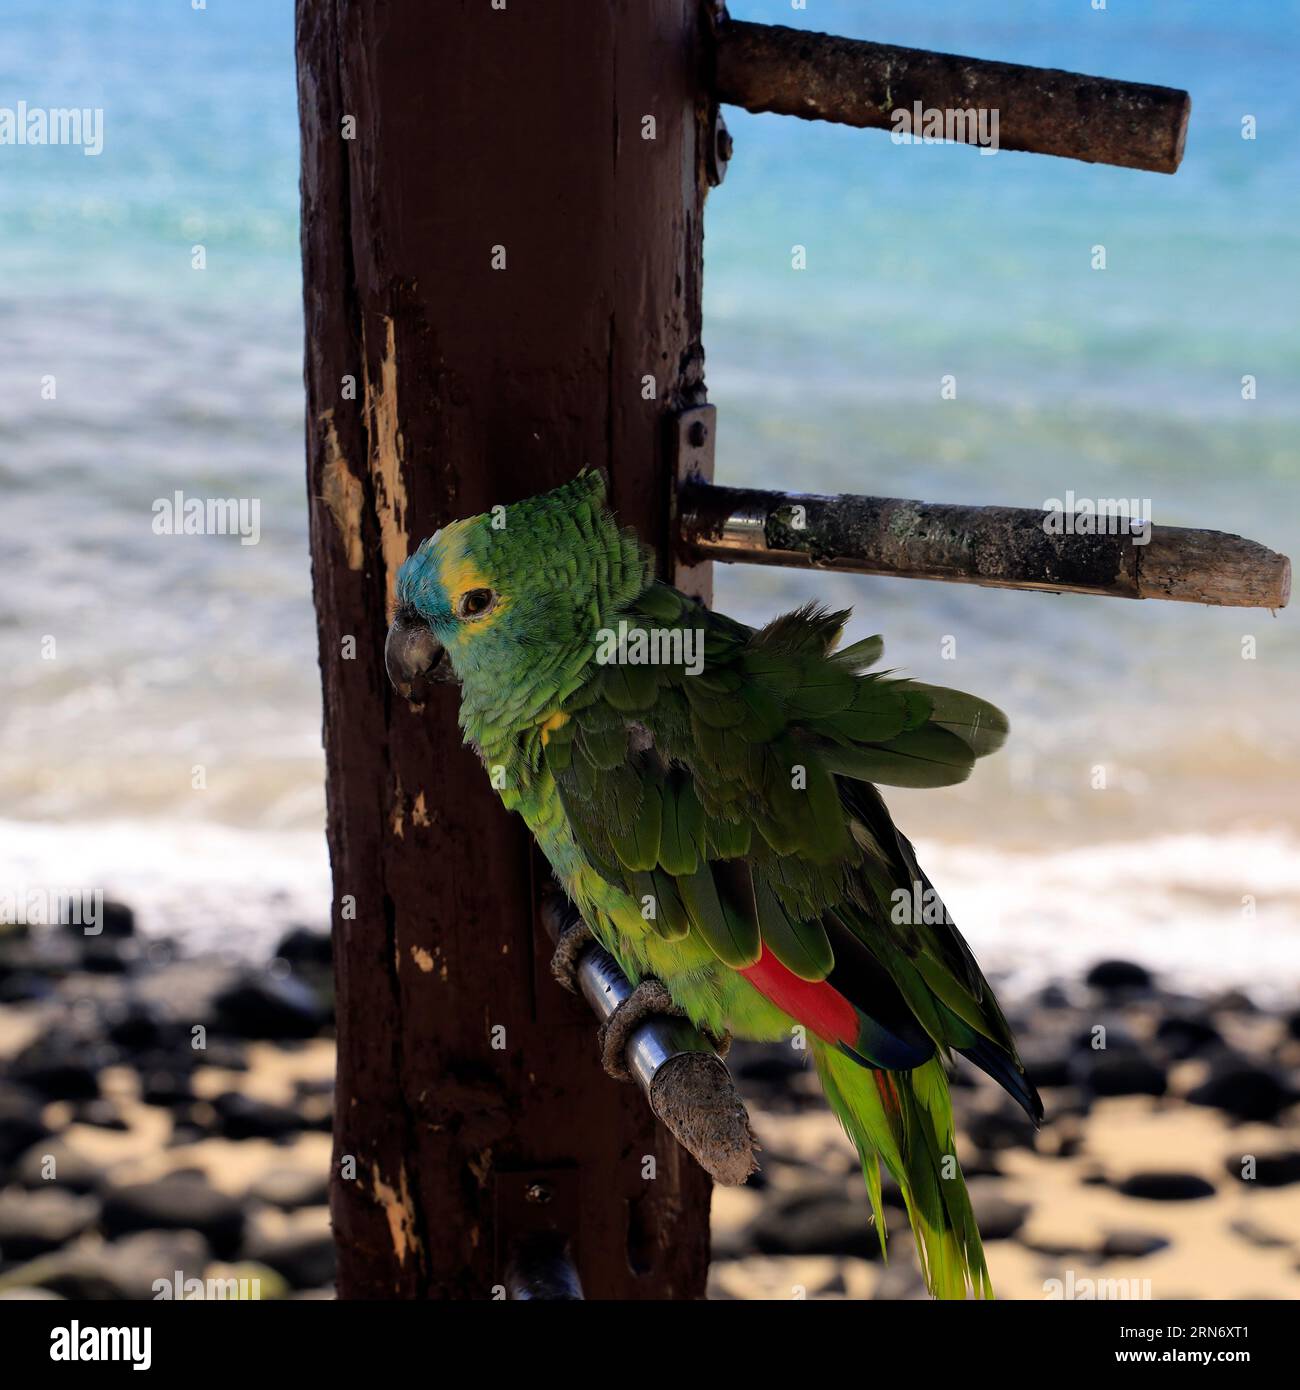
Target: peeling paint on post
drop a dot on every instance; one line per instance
(461, 1065)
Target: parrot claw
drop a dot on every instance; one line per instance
(648, 1000)
(574, 938)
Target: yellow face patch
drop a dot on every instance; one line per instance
(458, 573)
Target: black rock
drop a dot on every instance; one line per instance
(242, 1117)
(1112, 975)
(105, 956)
(1183, 1036)
(1271, 1170)
(136, 1025)
(1132, 1245)
(24, 986)
(1126, 1074)
(1246, 1092)
(291, 1188)
(1007, 1127)
(1053, 997)
(179, 1202)
(996, 1215)
(305, 1260)
(1113, 1037)
(303, 946)
(822, 1223)
(1293, 1024)
(261, 1006)
(179, 1060)
(21, 1125)
(1046, 1066)
(765, 1064)
(166, 1088)
(116, 922)
(103, 1114)
(55, 1070)
(1166, 1187)
(32, 1223)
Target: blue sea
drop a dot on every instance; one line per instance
(1147, 802)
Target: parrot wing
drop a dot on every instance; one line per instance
(728, 776)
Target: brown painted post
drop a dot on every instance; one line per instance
(495, 261)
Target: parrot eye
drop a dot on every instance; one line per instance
(474, 603)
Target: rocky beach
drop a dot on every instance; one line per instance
(165, 1132)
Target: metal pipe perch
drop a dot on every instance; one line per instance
(999, 547)
(794, 72)
(687, 1084)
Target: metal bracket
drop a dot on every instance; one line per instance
(537, 1215)
(694, 430)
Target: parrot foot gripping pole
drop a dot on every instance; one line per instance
(644, 1037)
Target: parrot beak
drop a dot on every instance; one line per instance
(414, 658)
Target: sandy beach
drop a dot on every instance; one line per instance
(132, 1161)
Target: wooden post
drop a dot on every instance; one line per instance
(502, 254)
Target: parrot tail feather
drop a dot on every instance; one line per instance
(904, 1119)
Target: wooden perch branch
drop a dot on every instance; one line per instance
(767, 67)
(1000, 547)
(687, 1084)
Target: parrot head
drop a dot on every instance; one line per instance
(509, 603)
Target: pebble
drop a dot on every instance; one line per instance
(180, 1201)
(33, 1223)
(1166, 1187)
(1125, 1074)
(1246, 1092)
(1117, 975)
(1132, 1245)
(260, 1006)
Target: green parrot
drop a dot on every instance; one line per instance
(706, 795)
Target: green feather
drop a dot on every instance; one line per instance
(723, 920)
(929, 757)
(801, 946)
(639, 849)
(682, 827)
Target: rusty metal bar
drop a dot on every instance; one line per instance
(687, 1084)
(794, 72)
(999, 547)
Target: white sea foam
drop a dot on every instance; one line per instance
(1173, 903)
(1206, 913)
(212, 887)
